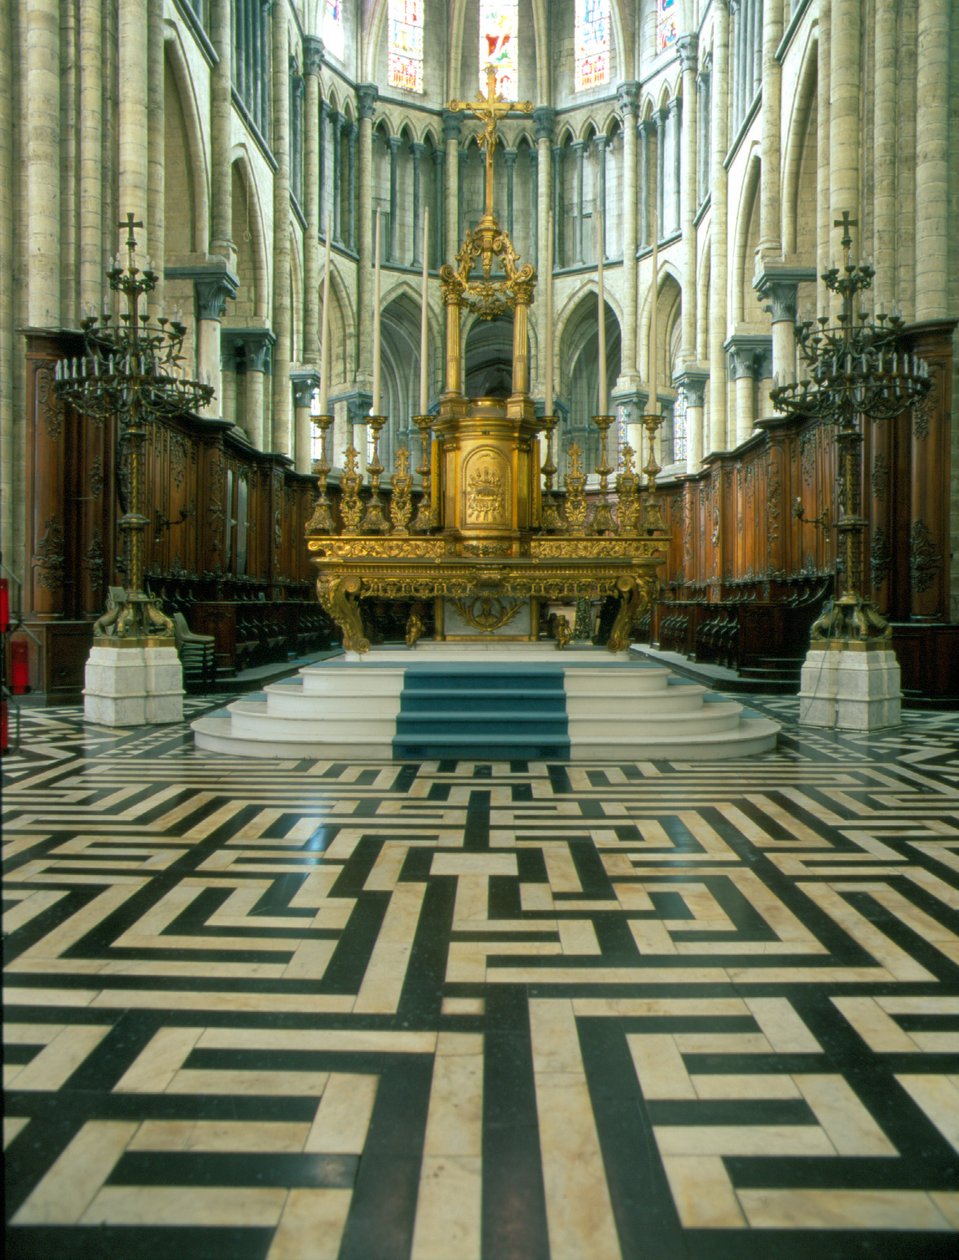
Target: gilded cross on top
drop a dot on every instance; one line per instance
(490, 108)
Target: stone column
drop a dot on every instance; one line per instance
(304, 381)
(543, 122)
(326, 168)
(312, 62)
(742, 373)
(133, 134)
(451, 138)
(675, 112)
(367, 94)
(509, 159)
(704, 112)
(600, 143)
(419, 152)
(718, 232)
(824, 217)
(221, 175)
(688, 56)
(932, 159)
(40, 158)
(770, 188)
(155, 152)
(336, 128)
(660, 117)
(393, 143)
(462, 158)
(213, 286)
(89, 140)
(257, 344)
(628, 100)
(779, 288)
(845, 136)
(645, 129)
(758, 37)
(559, 219)
(578, 147)
(439, 227)
(352, 136)
(282, 315)
(885, 98)
(693, 382)
(263, 26)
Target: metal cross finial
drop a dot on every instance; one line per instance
(845, 223)
(130, 223)
(489, 108)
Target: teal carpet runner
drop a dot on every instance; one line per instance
(500, 712)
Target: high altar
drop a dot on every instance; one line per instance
(490, 546)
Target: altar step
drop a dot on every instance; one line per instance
(428, 704)
(446, 711)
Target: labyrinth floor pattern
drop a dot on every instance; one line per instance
(481, 1011)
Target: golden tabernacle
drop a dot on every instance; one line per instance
(491, 547)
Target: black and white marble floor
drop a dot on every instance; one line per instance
(481, 1010)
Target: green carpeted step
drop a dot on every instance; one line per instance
(449, 710)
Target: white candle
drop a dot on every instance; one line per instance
(653, 383)
(602, 317)
(376, 319)
(424, 348)
(325, 330)
(548, 330)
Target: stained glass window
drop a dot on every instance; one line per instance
(333, 27)
(497, 45)
(667, 24)
(592, 43)
(405, 48)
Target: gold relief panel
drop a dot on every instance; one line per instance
(486, 490)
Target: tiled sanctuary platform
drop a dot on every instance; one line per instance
(468, 1009)
(516, 700)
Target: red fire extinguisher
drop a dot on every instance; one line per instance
(4, 605)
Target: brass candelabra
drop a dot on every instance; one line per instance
(854, 369)
(321, 522)
(131, 370)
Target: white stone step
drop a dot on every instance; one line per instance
(252, 719)
(708, 719)
(616, 705)
(216, 734)
(750, 738)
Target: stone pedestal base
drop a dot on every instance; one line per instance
(850, 689)
(133, 685)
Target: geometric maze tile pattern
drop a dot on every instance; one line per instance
(481, 1010)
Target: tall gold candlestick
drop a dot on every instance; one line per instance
(603, 522)
(321, 522)
(423, 522)
(374, 521)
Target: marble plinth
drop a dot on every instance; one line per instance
(850, 689)
(133, 685)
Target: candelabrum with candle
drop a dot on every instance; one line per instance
(423, 521)
(552, 520)
(603, 522)
(131, 369)
(375, 522)
(321, 522)
(854, 369)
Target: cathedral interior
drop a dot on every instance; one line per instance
(479, 1003)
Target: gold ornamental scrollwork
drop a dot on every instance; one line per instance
(487, 613)
(390, 548)
(339, 598)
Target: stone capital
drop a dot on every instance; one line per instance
(692, 381)
(255, 343)
(627, 98)
(509, 158)
(451, 125)
(601, 141)
(312, 54)
(647, 126)
(418, 150)
(394, 143)
(543, 119)
(304, 382)
(747, 354)
(366, 96)
(326, 110)
(439, 156)
(778, 287)
(213, 284)
(675, 106)
(688, 48)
